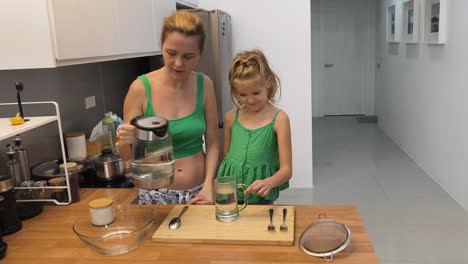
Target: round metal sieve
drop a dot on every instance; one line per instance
(324, 238)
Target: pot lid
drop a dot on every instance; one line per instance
(51, 169)
(107, 156)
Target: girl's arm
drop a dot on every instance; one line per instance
(133, 107)
(212, 145)
(283, 135)
(228, 121)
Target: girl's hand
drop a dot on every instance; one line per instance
(126, 134)
(205, 196)
(260, 187)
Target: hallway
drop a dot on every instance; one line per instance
(409, 217)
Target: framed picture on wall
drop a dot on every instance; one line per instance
(392, 29)
(410, 21)
(435, 21)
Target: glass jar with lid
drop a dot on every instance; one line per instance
(101, 211)
(73, 179)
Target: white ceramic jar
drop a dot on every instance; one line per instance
(101, 211)
(76, 145)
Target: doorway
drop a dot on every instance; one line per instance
(343, 57)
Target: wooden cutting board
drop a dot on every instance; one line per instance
(199, 225)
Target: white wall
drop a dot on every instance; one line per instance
(282, 31)
(421, 97)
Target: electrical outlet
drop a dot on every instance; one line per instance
(90, 102)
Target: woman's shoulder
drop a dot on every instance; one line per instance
(208, 86)
(207, 82)
(152, 78)
(154, 74)
(136, 87)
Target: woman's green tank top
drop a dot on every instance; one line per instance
(187, 132)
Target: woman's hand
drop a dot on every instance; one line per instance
(260, 187)
(126, 134)
(205, 196)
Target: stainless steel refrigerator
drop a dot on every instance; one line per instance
(216, 58)
(217, 55)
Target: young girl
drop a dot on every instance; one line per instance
(257, 135)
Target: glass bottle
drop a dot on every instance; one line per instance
(108, 128)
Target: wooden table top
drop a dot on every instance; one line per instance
(49, 238)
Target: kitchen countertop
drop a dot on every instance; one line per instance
(49, 237)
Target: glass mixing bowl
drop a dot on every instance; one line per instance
(125, 233)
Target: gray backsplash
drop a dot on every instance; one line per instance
(68, 86)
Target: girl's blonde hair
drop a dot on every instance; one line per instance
(248, 65)
(185, 23)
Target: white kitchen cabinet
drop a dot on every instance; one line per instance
(84, 28)
(51, 33)
(190, 3)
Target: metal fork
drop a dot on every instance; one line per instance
(271, 226)
(283, 226)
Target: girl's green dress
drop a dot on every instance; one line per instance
(253, 155)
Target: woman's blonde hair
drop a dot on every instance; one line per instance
(251, 64)
(185, 23)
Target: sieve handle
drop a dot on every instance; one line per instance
(328, 259)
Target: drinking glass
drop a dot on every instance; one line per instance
(227, 209)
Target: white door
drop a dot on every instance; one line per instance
(346, 56)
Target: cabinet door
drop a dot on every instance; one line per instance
(135, 26)
(25, 35)
(84, 28)
(161, 9)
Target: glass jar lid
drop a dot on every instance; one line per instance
(100, 203)
(71, 166)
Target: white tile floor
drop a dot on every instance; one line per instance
(409, 217)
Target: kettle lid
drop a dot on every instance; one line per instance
(150, 128)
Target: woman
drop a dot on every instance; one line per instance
(187, 100)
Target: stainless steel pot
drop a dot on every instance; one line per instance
(109, 166)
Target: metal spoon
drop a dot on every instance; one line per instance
(176, 222)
